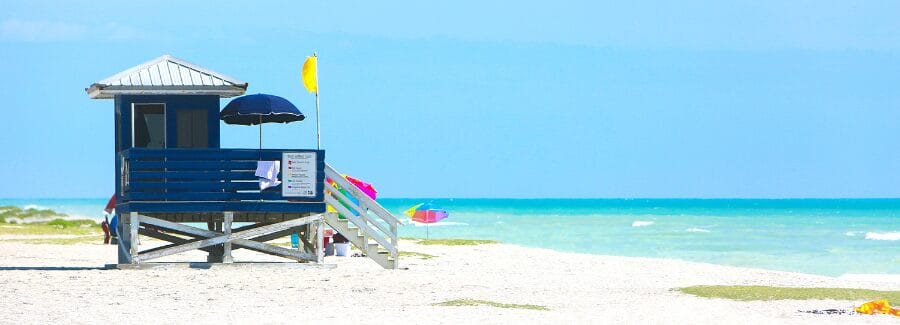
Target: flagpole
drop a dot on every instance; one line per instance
(318, 134)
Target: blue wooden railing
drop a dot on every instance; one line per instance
(207, 180)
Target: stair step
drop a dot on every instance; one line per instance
(362, 242)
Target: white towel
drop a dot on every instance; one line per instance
(267, 183)
(267, 171)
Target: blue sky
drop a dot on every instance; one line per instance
(473, 99)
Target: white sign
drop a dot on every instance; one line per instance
(298, 170)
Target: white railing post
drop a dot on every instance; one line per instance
(395, 253)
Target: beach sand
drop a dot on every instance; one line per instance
(61, 283)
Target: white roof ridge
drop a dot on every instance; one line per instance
(153, 77)
(200, 69)
(126, 72)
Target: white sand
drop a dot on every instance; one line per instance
(577, 288)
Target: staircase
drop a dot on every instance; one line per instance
(368, 226)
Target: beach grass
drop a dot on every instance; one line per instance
(9, 212)
(88, 239)
(31, 229)
(766, 293)
(416, 255)
(454, 242)
(64, 224)
(475, 302)
(15, 221)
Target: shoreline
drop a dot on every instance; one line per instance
(573, 287)
(639, 240)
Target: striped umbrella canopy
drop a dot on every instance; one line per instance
(426, 213)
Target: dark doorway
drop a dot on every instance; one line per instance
(148, 126)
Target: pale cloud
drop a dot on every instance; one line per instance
(41, 31)
(57, 31)
(117, 32)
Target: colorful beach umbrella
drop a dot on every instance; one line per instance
(426, 213)
(366, 188)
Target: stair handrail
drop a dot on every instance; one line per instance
(359, 209)
(361, 196)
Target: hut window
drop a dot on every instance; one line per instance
(192, 128)
(149, 126)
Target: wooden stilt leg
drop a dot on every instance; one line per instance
(320, 234)
(214, 256)
(124, 241)
(226, 254)
(134, 222)
(306, 245)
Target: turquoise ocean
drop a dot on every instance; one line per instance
(819, 236)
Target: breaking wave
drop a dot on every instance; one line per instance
(438, 224)
(639, 223)
(883, 235)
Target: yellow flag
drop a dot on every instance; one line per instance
(309, 75)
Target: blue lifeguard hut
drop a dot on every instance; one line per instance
(171, 174)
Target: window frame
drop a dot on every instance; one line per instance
(165, 122)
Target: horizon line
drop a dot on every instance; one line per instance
(541, 198)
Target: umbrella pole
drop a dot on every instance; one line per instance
(260, 132)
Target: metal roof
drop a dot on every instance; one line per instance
(167, 75)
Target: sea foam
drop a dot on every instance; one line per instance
(883, 235)
(695, 229)
(892, 278)
(639, 223)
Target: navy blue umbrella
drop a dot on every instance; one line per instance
(259, 109)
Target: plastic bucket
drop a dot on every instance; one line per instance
(295, 241)
(342, 249)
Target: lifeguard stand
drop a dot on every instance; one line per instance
(171, 172)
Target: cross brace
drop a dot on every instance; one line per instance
(245, 237)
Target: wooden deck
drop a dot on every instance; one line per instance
(159, 189)
(260, 217)
(161, 192)
(204, 182)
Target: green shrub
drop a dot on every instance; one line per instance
(8, 212)
(61, 223)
